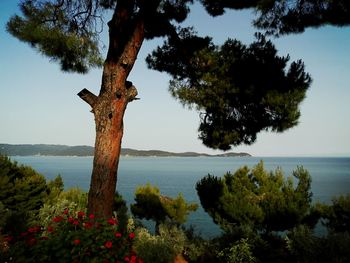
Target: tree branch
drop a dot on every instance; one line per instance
(88, 97)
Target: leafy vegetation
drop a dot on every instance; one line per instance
(265, 218)
(256, 199)
(150, 204)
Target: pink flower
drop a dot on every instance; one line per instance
(132, 235)
(108, 244)
(118, 235)
(76, 241)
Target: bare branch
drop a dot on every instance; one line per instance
(88, 97)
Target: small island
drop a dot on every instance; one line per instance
(83, 150)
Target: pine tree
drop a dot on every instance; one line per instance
(234, 105)
(256, 199)
(151, 205)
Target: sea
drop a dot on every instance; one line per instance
(174, 175)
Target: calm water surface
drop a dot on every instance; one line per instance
(330, 176)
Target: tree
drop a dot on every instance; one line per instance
(22, 194)
(150, 204)
(234, 106)
(284, 17)
(22, 189)
(256, 199)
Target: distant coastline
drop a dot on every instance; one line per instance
(83, 150)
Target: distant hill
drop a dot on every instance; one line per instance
(64, 150)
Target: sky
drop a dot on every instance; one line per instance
(38, 102)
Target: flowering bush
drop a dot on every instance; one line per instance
(73, 237)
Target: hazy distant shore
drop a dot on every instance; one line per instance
(83, 150)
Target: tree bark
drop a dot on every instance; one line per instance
(109, 107)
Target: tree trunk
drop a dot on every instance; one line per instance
(109, 107)
(109, 133)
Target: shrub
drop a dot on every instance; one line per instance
(72, 199)
(72, 237)
(21, 187)
(150, 204)
(162, 248)
(240, 252)
(255, 198)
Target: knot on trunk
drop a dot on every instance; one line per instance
(131, 91)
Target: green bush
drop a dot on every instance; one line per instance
(264, 201)
(22, 193)
(72, 199)
(240, 252)
(162, 248)
(151, 205)
(21, 187)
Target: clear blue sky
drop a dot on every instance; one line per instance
(38, 102)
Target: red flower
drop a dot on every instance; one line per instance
(65, 212)
(34, 229)
(8, 238)
(132, 235)
(118, 235)
(57, 219)
(31, 241)
(81, 214)
(108, 244)
(50, 229)
(112, 221)
(88, 225)
(76, 241)
(126, 259)
(75, 222)
(44, 238)
(91, 216)
(70, 219)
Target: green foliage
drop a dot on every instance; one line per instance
(256, 199)
(65, 31)
(306, 247)
(240, 90)
(72, 237)
(337, 215)
(240, 252)
(22, 194)
(72, 199)
(281, 17)
(162, 248)
(150, 204)
(121, 210)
